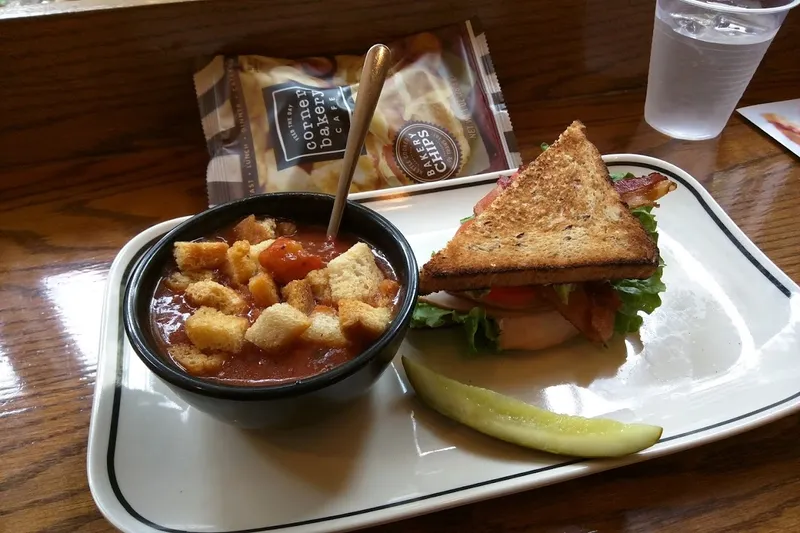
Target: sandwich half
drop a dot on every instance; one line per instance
(558, 249)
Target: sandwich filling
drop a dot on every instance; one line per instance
(502, 317)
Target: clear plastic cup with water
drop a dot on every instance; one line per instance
(703, 56)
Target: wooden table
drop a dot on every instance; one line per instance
(61, 225)
(99, 139)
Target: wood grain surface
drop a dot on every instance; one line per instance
(122, 78)
(77, 183)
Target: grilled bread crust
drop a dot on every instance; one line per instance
(560, 221)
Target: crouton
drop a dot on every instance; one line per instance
(212, 294)
(298, 294)
(270, 225)
(264, 290)
(277, 327)
(199, 255)
(209, 329)
(239, 266)
(285, 229)
(178, 281)
(387, 292)
(354, 275)
(196, 362)
(255, 231)
(256, 249)
(320, 285)
(325, 328)
(356, 317)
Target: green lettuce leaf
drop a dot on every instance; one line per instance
(563, 290)
(544, 146)
(482, 331)
(617, 176)
(428, 316)
(639, 294)
(648, 220)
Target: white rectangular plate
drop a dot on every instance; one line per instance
(719, 357)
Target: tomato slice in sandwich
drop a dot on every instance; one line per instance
(512, 297)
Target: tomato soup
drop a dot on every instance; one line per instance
(270, 301)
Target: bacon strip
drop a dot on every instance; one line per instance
(591, 308)
(645, 190)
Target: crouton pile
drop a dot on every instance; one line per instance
(238, 303)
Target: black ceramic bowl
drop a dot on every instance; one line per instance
(286, 403)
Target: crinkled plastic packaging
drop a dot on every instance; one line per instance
(281, 125)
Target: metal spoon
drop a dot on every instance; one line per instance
(373, 75)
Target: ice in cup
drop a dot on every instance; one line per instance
(704, 54)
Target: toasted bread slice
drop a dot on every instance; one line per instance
(560, 221)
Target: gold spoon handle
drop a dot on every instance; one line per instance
(376, 65)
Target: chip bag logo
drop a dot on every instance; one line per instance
(307, 124)
(425, 152)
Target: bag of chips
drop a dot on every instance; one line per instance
(281, 124)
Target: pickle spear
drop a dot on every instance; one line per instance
(523, 424)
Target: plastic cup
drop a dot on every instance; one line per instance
(704, 54)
